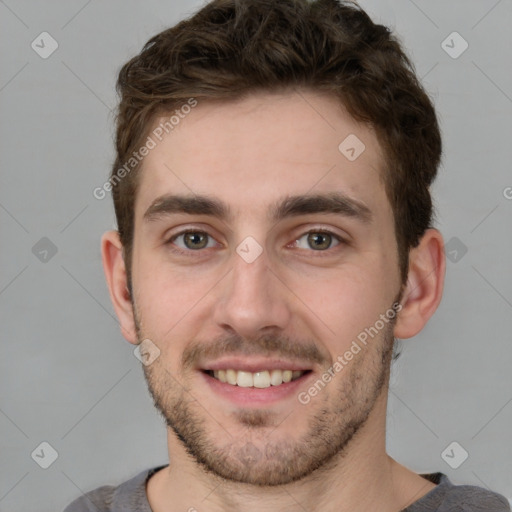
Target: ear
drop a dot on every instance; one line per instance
(424, 288)
(115, 273)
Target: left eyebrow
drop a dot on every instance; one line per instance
(291, 206)
(334, 202)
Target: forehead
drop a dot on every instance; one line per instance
(250, 153)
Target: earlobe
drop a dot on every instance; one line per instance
(424, 288)
(115, 273)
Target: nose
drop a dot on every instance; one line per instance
(252, 300)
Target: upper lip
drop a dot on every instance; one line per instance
(254, 364)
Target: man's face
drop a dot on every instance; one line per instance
(278, 287)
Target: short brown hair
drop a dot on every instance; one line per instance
(231, 48)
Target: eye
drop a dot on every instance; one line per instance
(317, 240)
(192, 240)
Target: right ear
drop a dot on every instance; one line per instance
(115, 273)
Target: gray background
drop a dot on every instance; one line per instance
(67, 375)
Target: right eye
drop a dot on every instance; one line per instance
(190, 241)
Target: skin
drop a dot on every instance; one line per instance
(293, 301)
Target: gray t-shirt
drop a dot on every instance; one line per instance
(131, 496)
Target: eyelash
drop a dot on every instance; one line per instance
(190, 252)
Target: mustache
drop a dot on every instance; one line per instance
(267, 345)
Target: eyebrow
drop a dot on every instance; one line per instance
(291, 206)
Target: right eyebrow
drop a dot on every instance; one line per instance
(192, 205)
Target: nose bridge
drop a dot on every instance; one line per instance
(250, 278)
(251, 298)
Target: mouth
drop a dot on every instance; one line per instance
(254, 382)
(260, 379)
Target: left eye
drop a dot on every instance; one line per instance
(193, 240)
(317, 240)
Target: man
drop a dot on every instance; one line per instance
(271, 188)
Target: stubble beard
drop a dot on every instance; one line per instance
(253, 457)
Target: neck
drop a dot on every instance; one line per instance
(361, 478)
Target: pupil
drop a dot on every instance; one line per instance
(319, 240)
(195, 240)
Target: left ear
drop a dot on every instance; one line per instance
(424, 288)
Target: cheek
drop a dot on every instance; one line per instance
(174, 304)
(342, 303)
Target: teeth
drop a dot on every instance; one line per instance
(276, 377)
(263, 379)
(244, 379)
(221, 375)
(231, 377)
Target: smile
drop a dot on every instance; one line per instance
(262, 379)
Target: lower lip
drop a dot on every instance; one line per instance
(251, 397)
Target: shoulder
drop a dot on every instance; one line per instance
(128, 496)
(448, 497)
(475, 499)
(98, 500)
